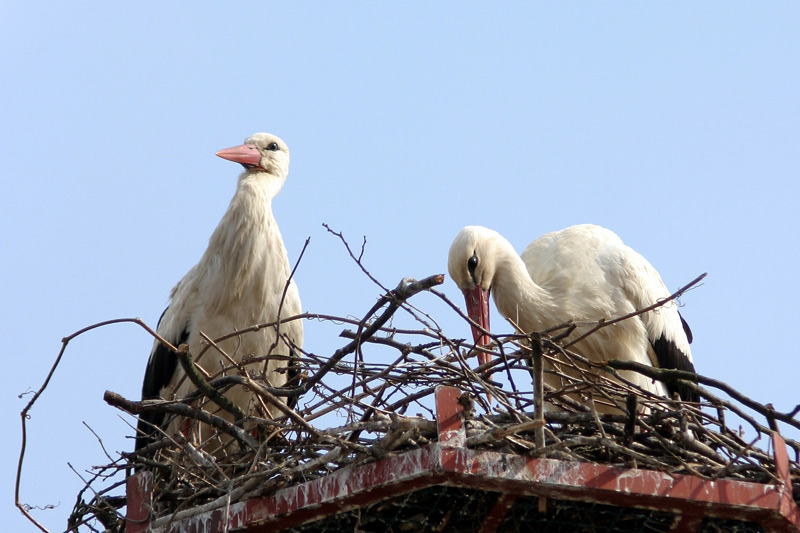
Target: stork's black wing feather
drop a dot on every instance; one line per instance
(160, 369)
(686, 329)
(293, 375)
(669, 356)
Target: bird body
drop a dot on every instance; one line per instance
(583, 273)
(238, 282)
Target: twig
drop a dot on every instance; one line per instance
(605, 323)
(393, 299)
(202, 385)
(176, 408)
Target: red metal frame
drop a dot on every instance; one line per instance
(449, 462)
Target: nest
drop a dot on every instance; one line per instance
(350, 410)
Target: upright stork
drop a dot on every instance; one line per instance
(581, 273)
(240, 281)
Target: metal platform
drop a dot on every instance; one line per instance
(448, 487)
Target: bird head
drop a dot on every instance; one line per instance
(472, 265)
(261, 152)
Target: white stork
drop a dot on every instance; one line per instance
(582, 273)
(238, 282)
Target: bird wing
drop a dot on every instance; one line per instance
(612, 280)
(571, 266)
(162, 366)
(294, 332)
(667, 331)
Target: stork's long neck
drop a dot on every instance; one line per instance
(516, 295)
(249, 214)
(246, 245)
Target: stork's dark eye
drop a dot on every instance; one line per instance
(273, 147)
(472, 264)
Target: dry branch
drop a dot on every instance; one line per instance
(181, 409)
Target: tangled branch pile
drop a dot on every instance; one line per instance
(351, 410)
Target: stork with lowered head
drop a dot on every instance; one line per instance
(583, 273)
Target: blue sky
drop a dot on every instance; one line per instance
(677, 128)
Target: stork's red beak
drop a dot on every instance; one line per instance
(478, 311)
(246, 154)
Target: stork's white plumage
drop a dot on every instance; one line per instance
(581, 273)
(239, 282)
